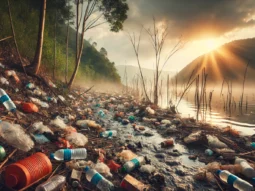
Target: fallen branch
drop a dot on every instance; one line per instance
(9, 156)
(86, 91)
(6, 38)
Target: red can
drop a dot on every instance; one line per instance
(27, 171)
(167, 143)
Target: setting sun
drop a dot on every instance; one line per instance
(211, 44)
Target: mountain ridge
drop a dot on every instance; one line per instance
(226, 62)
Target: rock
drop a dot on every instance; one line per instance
(172, 162)
(193, 157)
(160, 155)
(176, 121)
(148, 133)
(139, 145)
(125, 122)
(181, 187)
(175, 154)
(132, 146)
(168, 189)
(180, 171)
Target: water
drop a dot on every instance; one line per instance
(241, 120)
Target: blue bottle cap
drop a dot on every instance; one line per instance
(51, 155)
(86, 168)
(101, 134)
(218, 172)
(253, 181)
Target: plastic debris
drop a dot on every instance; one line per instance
(16, 136)
(4, 81)
(77, 139)
(147, 168)
(193, 137)
(102, 168)
(40, 128)
(214, 142)
(29, 107)
(58, 122)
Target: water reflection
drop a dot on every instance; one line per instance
(241, 120)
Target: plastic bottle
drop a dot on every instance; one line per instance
(30, 85)
(234, 181)
(101, 113)
(98, 180)
(53, 184)
(111, 133)
(247, 170)
(69, 154)
(6, 101)
(132, 164)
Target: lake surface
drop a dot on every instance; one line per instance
(241, 120)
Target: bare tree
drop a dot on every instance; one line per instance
(158, 36)
(136, 45)
(38, 53)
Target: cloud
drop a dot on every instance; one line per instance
(194, 18)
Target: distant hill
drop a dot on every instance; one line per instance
(227, 62)
(133, 71)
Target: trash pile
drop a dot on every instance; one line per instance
(52, 140)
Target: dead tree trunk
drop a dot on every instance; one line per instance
(38, 54)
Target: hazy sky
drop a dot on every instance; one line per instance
(205, 24)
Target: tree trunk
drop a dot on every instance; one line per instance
(77, 60)
(67, 52)
(77, 63)
(156, 87)
(39, 46)
(55, 45)
(14, 37)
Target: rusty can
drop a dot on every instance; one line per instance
(167, 143)
(131, 184)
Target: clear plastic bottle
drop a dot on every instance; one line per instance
(6, 101)
(247, 170)
(134, 163)
(55, 183)
(234, 181)
(111, 133)
(69, 154)
(98, 180)
(30, 85)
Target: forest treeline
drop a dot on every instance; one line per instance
(25, 15)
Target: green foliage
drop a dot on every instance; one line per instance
(25, 15)
(115, 13)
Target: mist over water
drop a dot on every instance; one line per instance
(220, 113)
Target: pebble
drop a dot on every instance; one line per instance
(172, 162)
(175, 154)
(148, 133)
(180, 171)
(160, 155)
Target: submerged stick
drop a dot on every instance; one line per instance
(243, 84)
